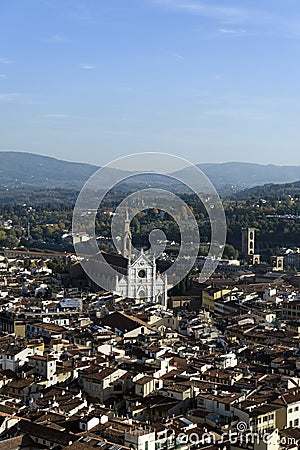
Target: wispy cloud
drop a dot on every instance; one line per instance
(79, 10)
(219, 12)
(73, 9)
(56, 38)
(10, 96)
(259, 21)
(57, 116)
(6, 61)
(233, 31)
(177, 55)
(232, 106)
(2, 75)
(236, 114)
(88, 66)
(124, 89)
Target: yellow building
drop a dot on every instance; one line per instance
(266, 418)
(210, 297)
(36, 345)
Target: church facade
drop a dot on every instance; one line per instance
(142, 281)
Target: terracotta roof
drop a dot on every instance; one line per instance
(144, 380)
(263, 409)
(20, 383)
(49, 434)
(17, 443)
(99, 376)
(287, 399)
(124, 322)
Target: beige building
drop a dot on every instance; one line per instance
(290, 403)
(146, 385)
(100, 385)
(277, 263)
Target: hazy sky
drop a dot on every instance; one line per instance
(92, 80)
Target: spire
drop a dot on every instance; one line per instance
(127, 237)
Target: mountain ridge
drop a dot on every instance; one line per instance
(25, 170)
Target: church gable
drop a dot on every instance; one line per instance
(141, 261)
(122, 282)
(159, 281)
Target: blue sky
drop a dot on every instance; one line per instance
(92, 80)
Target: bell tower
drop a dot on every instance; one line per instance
(248, 241)
(126, 250)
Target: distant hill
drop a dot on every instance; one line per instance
(18, 169)
(271, 190)
(249, 174)
(28, 170)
